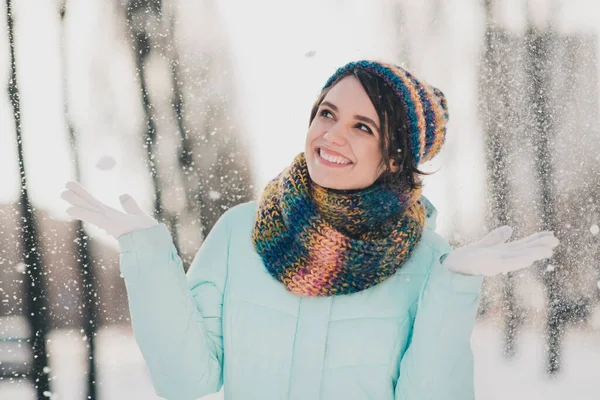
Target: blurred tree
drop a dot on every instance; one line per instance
(398, 11)
(216, 168)
(36, 309)
(210, 173)
(143, 17)
(499, 114)
(574, 62)
(555, 91)
(538, 47)
(83, 245)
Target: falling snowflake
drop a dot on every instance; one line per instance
(20, 267)
(594, 229)
(106, 163)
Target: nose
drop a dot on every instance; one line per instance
(336, 135)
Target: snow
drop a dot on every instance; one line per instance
(442, 46)
(214, 195)
(20, 267)
(123, 375)
(106, 163)
(524, 377)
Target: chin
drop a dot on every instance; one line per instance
(331, 184)
(331, 181)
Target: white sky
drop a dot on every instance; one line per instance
(276, 84)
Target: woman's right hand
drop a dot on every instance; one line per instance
(114, 222)
(493, 256)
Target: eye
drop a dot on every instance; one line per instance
(366, 128)
(325, 112)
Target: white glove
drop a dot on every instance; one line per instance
(114, 222)
(492, 256)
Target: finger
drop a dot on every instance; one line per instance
(513, 260)
(130, 205)
(533, 237)
(74, 199)
(511, 265)
(497, 236)
(88, 216)
(530, 253)
(84, 194)
(506, 268)
(538, 239)
(515, 265)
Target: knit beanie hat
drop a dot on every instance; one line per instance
(426, 109)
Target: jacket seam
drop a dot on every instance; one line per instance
(293, 351)
(224, 299)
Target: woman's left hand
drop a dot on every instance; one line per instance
(492, 255)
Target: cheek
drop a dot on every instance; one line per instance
(312, 133)
(371, 156)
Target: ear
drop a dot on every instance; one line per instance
(394, 167)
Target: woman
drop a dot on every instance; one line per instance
(334, 285)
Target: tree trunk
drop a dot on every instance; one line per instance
(36, 300)
(498, 114)
(212, 168)
(136, 11)
(539, 76)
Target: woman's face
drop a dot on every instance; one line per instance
(342, 145)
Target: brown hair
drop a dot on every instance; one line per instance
(392, 114)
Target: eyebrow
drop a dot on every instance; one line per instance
(356, 116)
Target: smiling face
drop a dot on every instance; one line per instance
(342, 147)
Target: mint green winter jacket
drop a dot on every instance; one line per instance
(228, 323)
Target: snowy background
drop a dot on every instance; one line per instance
(268, 61)
(122, 374)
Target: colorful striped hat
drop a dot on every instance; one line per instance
(426, 109)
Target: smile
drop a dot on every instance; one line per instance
(331, 159)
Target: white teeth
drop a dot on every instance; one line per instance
(332, 158)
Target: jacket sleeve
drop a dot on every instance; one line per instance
(176, 318)
(438, 363)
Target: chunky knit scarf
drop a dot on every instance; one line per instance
(324, 242)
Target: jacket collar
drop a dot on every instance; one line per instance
(431, 213)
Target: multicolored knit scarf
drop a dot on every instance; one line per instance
(324, 242)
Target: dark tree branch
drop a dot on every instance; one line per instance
(35, 288)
